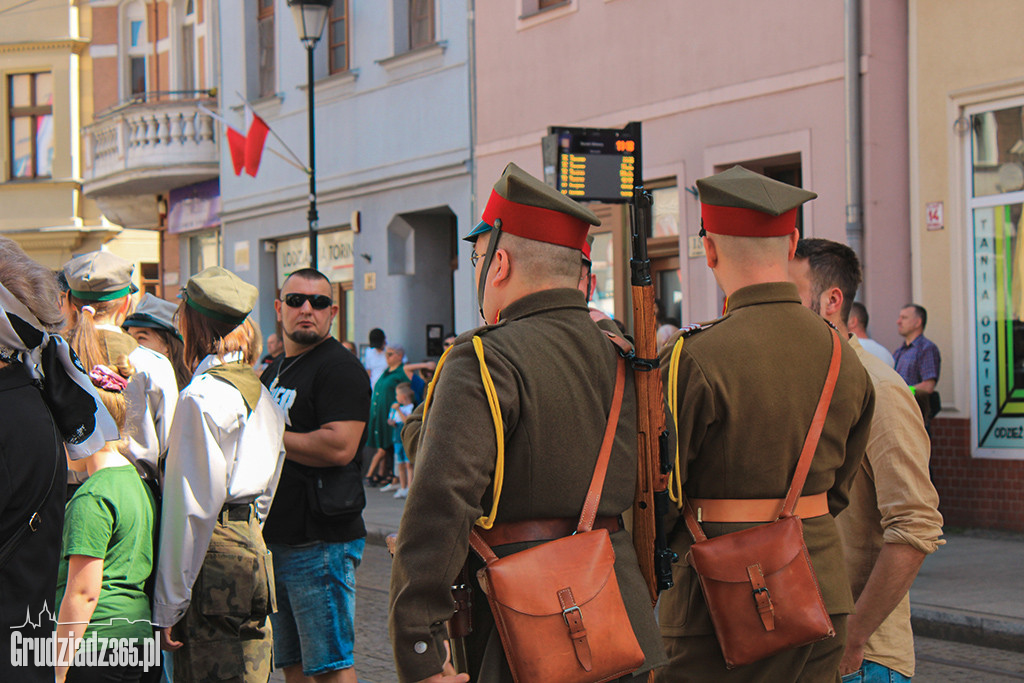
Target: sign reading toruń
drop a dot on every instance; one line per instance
(334, 255)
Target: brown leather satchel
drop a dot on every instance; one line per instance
(759, 584)
(557, 605)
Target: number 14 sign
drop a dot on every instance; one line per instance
(933, 215)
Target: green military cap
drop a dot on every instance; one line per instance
(220, 294)
(155, 313)
(99, 276)
(524, 206)
(747, 204)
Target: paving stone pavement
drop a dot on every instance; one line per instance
(942, 661)
(975, 579)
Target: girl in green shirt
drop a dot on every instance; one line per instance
(107, 553)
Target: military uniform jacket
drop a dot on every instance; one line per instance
(554, 372)
(220, 454)
(747, 389)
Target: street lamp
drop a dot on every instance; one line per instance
(310, 17)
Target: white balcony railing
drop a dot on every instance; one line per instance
(135, 147)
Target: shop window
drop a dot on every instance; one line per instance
(337, 36)
(30, 136)
(996, 190)
(665, 212)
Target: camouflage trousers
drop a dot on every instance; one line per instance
(226, 633)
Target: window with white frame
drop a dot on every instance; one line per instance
(337, 37)
(187, 53)
(136, 52)
(413, 24)
(265, 29)
(994, 177)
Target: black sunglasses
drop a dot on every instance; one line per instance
(318, 301)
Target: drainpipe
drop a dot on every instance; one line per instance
(854, 170)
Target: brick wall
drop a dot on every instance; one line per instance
(974, 492)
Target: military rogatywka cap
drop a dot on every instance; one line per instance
(523, 206)
(747, 204)
(153, 312)
(220, 294)
(99, 276)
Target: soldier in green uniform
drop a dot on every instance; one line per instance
(748, 384)
(553, 370)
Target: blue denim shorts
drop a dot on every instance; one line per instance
(870, 672)
(316, 605)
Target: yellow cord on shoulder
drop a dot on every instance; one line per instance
(433, 381)
(675, 485)
(499, 433)
(499, 424)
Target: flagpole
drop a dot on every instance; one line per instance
(277, 137)
(312, 216)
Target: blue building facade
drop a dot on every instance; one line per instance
(393, 156)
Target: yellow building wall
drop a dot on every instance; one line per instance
(961, 53)
(51, 218)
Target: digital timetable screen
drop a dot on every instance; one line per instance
(593, 164)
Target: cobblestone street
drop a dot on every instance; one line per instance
(938, 661)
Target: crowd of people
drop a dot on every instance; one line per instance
(176, 480)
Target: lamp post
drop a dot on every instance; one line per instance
(310, 17)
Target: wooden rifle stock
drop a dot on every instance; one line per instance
(650, 502)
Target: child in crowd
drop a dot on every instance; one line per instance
(108, 532)
(400, 410)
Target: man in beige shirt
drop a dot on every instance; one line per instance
(892, 521)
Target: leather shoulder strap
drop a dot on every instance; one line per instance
(593, 498)
(601, 470)
(803, 465)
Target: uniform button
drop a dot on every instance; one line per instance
(420, 647)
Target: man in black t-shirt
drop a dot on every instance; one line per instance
(315, 527)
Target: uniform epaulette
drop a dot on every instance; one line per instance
(689, 330)
(480, 331)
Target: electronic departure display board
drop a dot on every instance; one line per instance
(593, 164)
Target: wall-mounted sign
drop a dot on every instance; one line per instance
(241, 256)
(593, 164)
(933, 216)
(195, 207)
(334, 255)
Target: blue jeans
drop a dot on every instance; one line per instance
(316, 605)
(870, 672)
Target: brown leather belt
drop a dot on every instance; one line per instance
(504, 533)
(756, 509)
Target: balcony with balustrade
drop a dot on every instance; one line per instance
(148, 146)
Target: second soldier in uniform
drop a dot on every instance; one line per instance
(748, 385)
